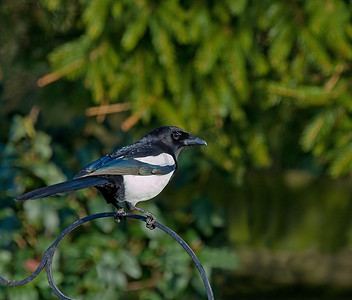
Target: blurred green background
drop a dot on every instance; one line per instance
(266, 205)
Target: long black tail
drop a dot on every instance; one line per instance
(62, 188)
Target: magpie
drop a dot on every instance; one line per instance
(134, 173)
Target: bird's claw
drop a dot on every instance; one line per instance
(150, 222)
(151, 219)
(119, 215)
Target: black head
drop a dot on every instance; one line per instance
(174, 138)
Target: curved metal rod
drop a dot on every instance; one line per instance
(49, 253)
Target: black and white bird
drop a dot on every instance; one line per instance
(134, 173)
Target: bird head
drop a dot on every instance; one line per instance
(174, 138)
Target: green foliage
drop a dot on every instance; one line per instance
(266, 84)
(214, 62)
(109, 259)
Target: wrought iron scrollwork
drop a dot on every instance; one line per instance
(49, 254)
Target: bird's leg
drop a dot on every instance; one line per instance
(119, 213)
(151, 219)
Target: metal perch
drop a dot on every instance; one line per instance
(49, 253)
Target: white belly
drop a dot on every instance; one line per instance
(141, 188)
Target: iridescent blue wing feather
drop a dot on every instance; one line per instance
(123, 166)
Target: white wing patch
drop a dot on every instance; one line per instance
(162, 159)
(141, 188)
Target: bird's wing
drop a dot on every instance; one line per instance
(108, 165)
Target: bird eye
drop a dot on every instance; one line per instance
(176, 135)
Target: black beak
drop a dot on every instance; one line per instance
(194, 141)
